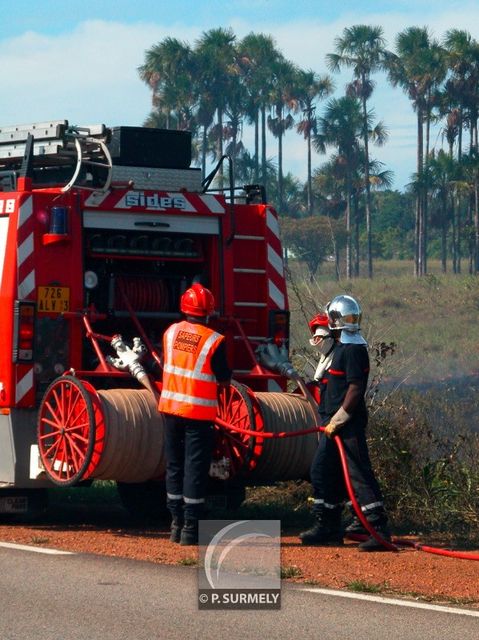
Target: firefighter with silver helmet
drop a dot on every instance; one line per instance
(194, 364)
(343, 410)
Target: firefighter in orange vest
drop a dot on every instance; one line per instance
(194, 364)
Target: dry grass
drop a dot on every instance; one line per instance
(431, 320)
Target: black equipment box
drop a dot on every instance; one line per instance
(148, 147)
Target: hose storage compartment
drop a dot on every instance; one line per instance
(285, 458)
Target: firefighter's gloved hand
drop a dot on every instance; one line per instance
(286, 369)
(276, 359)
(268, 355)
(337, 422)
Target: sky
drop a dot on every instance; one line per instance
(77, 60)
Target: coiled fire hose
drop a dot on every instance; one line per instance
(391, 546)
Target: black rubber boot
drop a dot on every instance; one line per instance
(355, 526)
(379, 522)
(176, 527)
(189, 533)
(326, 530)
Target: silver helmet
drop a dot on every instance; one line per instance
(344, 312)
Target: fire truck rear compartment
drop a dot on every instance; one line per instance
(146, 272)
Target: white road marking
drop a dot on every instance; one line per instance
(393, 601)
(24, 547)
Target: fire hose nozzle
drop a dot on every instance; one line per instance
(128, 358)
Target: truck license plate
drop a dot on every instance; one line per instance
(53, 299)
(14, 504)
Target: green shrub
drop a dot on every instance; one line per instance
(429, 476)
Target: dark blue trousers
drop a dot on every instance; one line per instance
(329, 489)
(189, 447)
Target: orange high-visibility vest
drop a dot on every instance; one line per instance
(189, 384)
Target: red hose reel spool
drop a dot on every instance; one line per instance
(143, 294)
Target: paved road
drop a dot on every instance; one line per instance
(86, 597)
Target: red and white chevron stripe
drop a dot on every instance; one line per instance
(25, 259)
(275, 268)
(24, 391)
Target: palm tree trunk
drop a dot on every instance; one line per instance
(280, 171)
(263, 145)
(220, 147)
(356, 234)
(279, 114)
(458, 233)
(426, 192)
(476, 223)
(459, 137)
(367, 188)
(471, 240)
(349, 271)
(444, 234)
(204, 147)
(454, 235)
(256, 146)
(419, 202)
(310, 181)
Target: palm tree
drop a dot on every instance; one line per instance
(470, 168)
(379, 179)
(258, 53)
(341, 127)
(311, 87)
(284, 101)
(419, 68)
(463, 61)
(361, 47)
(217, 73)
(169, 71)
(443, 172)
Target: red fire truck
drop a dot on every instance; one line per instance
(101, 231)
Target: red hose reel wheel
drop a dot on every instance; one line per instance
(66, 431)
(237, 407)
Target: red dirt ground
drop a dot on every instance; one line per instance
(409, 573)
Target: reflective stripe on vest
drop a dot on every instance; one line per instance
(189, 387)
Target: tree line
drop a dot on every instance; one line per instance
(220, 85)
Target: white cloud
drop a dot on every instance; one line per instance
(90, 74)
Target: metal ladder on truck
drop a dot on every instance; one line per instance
(55, 152)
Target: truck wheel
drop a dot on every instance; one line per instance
(145, 501)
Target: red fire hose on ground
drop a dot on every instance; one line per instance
(390, 546)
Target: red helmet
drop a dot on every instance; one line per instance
(197, 301)
(320, 320)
